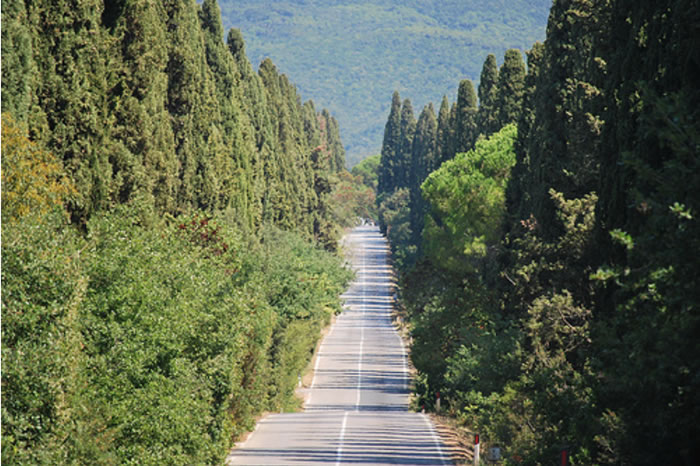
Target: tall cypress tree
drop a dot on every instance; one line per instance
(487, 115)
(563, 141)
(236, 183)
(143, 124)
(390, 148)
(73, 82)
(511, 86)
(405, 152)
(444, 133)
(517, 194)
(424, 160)
(465, 122)
(18, 67)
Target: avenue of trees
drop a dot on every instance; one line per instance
(547, 237)
(168, 228)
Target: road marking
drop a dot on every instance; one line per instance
(362, 342)
(339, 453)
(435, 438)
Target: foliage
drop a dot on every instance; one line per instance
(33, 180)
(153, 342)
(169, 312)
(466, 198)
(353, 199)
(368, 171)
(537, 321)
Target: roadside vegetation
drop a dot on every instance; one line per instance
(168, 234)
(548, 253)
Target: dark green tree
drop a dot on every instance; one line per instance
(510, 88)
(465, 128)
(405, 153)
(487, 115)
(445, 147)
(390, 148)
(423, 162)
(18, 68)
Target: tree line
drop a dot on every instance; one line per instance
(547, 239)
(168, 221)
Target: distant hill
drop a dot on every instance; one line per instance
(349, 58)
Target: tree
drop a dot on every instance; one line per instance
(390, 149)
(466, 198)
(465, 129)
(423, 162)
(403, 157)
(445, 136)
(18, 67)
(487, 115)
(33, 180)
(511, 86)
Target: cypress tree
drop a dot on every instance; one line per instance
(336, 145)
(511, 86)
(143, 123)
(487, 115)
(444, 133)
(517, 194)
(18, 67)
(390, 147)
(72, 90)
(424, 160)
(405, 152)
(192, 104)
(465, 117)
(235, 186)
(651, 195)
(563, 140)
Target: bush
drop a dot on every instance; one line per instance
(152, 341)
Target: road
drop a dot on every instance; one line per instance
(356, 409)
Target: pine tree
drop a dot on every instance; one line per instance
(511, 86)
(487, 115)
(465, 123)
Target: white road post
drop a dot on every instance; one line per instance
(476, 449)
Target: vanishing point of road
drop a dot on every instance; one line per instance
(356, 409)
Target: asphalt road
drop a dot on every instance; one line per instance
(356, 410)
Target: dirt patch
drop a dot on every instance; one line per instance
(458, 441)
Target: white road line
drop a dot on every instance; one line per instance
(339, 453)
(362, 344)
(435, 438)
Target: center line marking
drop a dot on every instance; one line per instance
(339, 453)
(362, 342)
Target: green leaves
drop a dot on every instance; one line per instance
(466, 198)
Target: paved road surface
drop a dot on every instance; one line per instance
(356, 408)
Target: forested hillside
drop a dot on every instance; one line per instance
(167, 213)
(547, 239)
(349, 56)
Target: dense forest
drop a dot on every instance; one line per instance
(169, 222)
(350, 55)
(545, 226)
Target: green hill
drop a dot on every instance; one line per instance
(349, 58)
